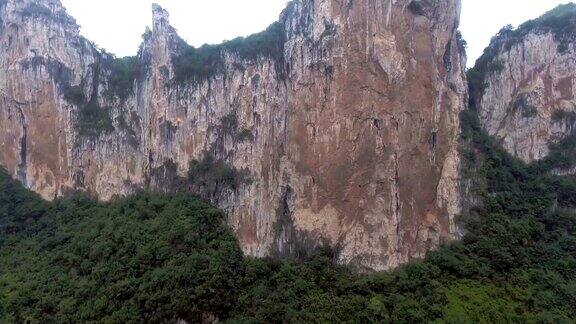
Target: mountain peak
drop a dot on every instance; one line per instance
(160, 17)
(48, 10)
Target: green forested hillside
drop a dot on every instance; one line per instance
(160, 258)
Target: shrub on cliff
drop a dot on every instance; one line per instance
(212, 175)
(93, 120)
(123, 73)
(198, 64)
(561, 22)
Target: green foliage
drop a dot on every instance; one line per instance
(149, 258)
(562, 155)
(229, 126)
(34, 9)
(156, 258)
(245, 135)
(20, 209)
(562, 116)
(472, 302)
(212, 175)
(560, 21)
(208, 178)
(74, 95)
(529, 112)
(123, 73)
(522, 185)
(419, 7)
(462, 44)
(269, 43)
(526, 109)
(229, 123)
(198, 64)
(496, 66)
(477, 84)
(93, 120)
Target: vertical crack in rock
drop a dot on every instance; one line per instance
(284, 226)
(23, 165)
(397, 206)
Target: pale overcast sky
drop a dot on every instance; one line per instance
(116, 25)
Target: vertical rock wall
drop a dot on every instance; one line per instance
(528, 100)
(348, 136)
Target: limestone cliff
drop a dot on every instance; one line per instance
(339, 124)
(524, 85)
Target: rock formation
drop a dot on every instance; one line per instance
(525, 90)
(339, 124)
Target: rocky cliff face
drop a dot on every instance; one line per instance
(338, 125)
(526, 93)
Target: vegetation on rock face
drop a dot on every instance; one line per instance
(229, 123)
(159, 258)
(123, 73)
(560, 21)
(562, 116)
(93, 120)
(245, 135)
(198, 64)
(38, 10)
(35, 9)
(562, 155)
(208, 177)
(526, 109)
(419, 7)
(229, 127)
(211, 174)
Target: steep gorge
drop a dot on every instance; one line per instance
(340, 121)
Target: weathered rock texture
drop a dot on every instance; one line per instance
(529, 97)
(349, 136)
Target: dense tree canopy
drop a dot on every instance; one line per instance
(147, 257)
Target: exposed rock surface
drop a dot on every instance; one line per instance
(529, 98)
(347, 125)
